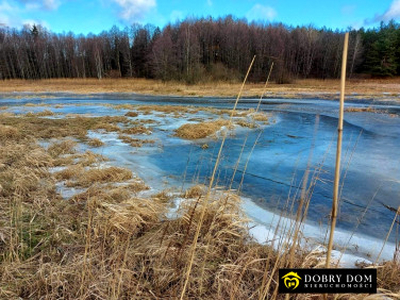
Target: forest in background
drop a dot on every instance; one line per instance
(199, 50)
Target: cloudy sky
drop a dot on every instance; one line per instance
(84, 16)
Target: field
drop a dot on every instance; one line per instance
(370, 88)
(114, 237)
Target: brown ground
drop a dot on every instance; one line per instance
(298, 89)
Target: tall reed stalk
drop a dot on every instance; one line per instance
(225, 203)
(265, 86)
(338, 152)
(388, 235)
(206, 200)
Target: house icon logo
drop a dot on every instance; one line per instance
(291, 280)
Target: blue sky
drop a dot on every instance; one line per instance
(84, 16)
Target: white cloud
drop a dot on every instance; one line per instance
(392, 13)
(10, 16)
(261, 13)
(209, 3)
(42, 4)
(51, 4)
(135, 10)
(29, 23)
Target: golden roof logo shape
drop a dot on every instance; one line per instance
(291, 280)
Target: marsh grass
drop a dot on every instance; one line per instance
(45, 113)
(131, 114)
(78, 127)
(62, 148)
(134, 142)
(95, 142)
(247, 124)
(108, 242)
(8, 132)
(364, 88)
(257, 116)
(361, 109)
(167, 109)
(79, 176)
(140, 129)
(88, 158)
(200, 130)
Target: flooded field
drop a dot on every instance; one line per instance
(272, 158)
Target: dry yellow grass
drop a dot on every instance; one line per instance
(70, 172)
(195, 191)
(35, 127)
(140, 129)
(201, 130)
(8, 132)
(95, 142)
(131, 114)
(262, 117)
(360, 109)
(134, 142)
(247, 124)
(155, 87)
(85, 178)
(107, 243)
(61, 148)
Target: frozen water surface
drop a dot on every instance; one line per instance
(301, 135)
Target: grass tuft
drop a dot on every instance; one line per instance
(95, 142)
(62, 148)
(131, 114)
(200, 130)
(100, 175)
(360, 109)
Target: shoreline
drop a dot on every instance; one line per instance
(267, 96)
(388, 89)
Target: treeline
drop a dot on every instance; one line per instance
(199, 50)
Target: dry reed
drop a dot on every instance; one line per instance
(338, 153)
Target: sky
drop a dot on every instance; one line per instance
(94, 16)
